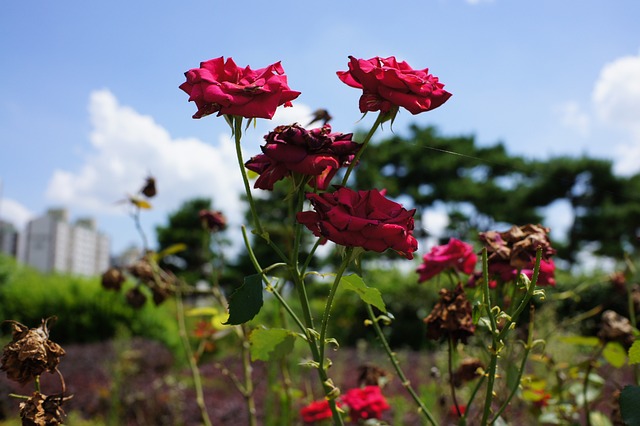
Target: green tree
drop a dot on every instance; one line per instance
(184, 227)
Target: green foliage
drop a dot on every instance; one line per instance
(368, 295)
(246, 301)
(629, 403)
(86, 312)
(271, 344)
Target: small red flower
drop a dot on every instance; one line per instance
(316, 411)
(453, 411)
(455, 254)
(365, 403)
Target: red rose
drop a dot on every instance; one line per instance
(365, 403)
(316, 152)
(361, 219)
(387, 83)
(453, 410)
(225, 88)
(455, 254)
(315, 411)
(506, 273)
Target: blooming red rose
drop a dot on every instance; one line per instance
(317, 152)
(455, 254)
(387, 83)
(316, 411)
(223, 87)
(361, 219)
(365, 403)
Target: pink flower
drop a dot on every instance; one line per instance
(293, 149)
(361, 219)
(225, 88)
(316, 411)
(455, 254)
(365, 403)
(387, 84)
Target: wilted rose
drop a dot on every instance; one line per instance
(42, 410)
(361, 219)
(212, 220)
(30, 353)
(293, 149)
(222, 87)
(455, 254)
(451, 316)
(387, 83)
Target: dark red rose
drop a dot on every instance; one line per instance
(361, 219)
(387, 83)
(223, 87)
(316, 411)
(455, 254)
(365, 403)
(293, 149)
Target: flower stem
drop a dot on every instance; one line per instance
(491, 374)
(248, 380)
(396, 365)
(367, 139)
(451, 384)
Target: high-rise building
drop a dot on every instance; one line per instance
(8, 239)
(51, 243)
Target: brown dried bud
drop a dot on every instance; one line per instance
(142, 270)
(616, 328)
(113, 278)
(467, 371)
(451, 316)
(372, 375)
(42, 410)
(136, 298)
(213, 221)
(160, 294)
(149, 188)
(30, 353)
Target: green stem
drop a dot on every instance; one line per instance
(327, 308)
(237, 133)
(451, 384)
(248, 381)
(367, 139)
(396, 365)
(193, 365)
(493, 363)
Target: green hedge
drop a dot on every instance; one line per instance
(86, 312)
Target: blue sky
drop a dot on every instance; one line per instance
(90, 101)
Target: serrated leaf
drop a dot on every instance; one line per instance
(246, 301)
(615, 354)
(629, 403)
(368, 295)
(634, 353)
(581, 340)
(271, 344)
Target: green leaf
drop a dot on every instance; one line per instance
(581, 340)
(368, 295)
(246, 301)
(615, 354)
(271, 344)
(634, 353)
(202, 311)
(172, 249)
(629, 403)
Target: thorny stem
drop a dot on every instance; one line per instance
(422, 409)
(379, 120)
(248, 381)
(193, 365)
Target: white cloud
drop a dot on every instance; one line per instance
(15, 213)
(574, 117)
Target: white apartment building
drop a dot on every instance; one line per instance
(8, 238)
(50, 243)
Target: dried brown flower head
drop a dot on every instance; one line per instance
(149, 188)
(30, 353)
(136, 298)
(42, 410)
(142, 270)
(451, 316)
(467, 371)
(213, 221)
(372, 375)
(616, 328)
(518, 245)
(113, 278)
